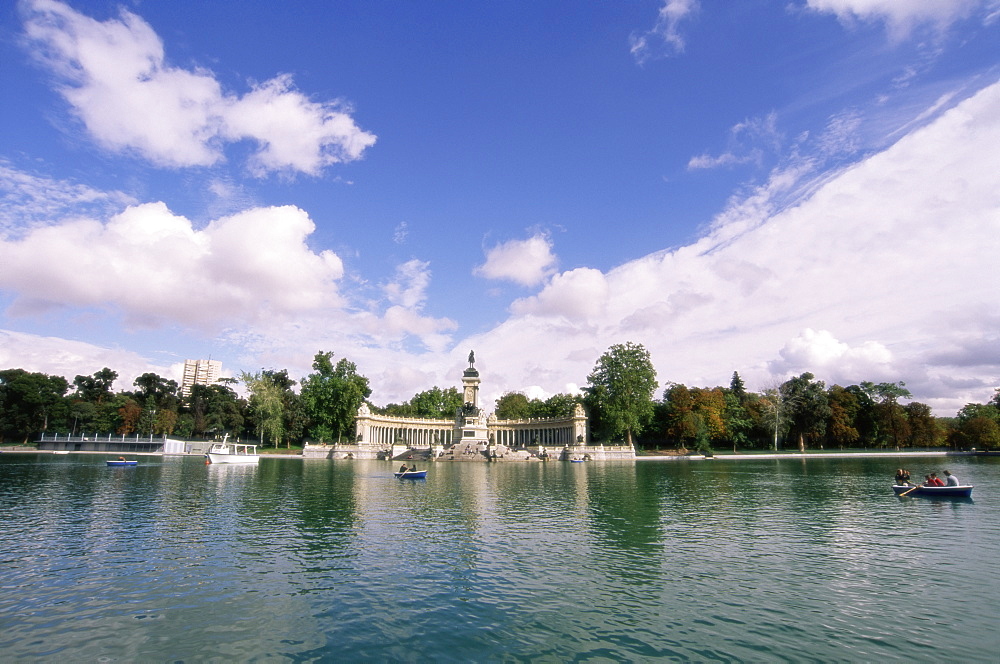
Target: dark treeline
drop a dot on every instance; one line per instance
(321, 410)
(621, 400)
(800, 413)
(803, 413)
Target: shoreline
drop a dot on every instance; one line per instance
(807, 455)
(644, 458)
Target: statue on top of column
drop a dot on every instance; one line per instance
(472, 359)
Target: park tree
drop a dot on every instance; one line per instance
(809, 408)
(923, 426)
(844, 407)
(213, 409)
(977, 432)
(621, 387)
(866, 419)
(129, 415)
(559, 405)
(761, 432)
(776, 409)
(160, 402)
(162, 391)
(267, 405)
(436, 403)
(892, 425)
(977, 425)
(710, 405)
(394, 409)
(513, 406)
(81, 414)
(680, 423)
(332, 395)
(29, 401)
(95, 389)
(737, 419)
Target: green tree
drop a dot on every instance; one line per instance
(973, 410)
(267, 405)
(436, 403)
(513, 406)
(621, 387)
(162, 391)
(924, 429)
(892, 425)
(332, 395)
(866, 419)
(213, 409)
(736, 419)
(809, 408)
(129, 415)
(977, 425)
(81, 413)
(29, 401)
(559, 405)
(776, 408)
(680, 422)
(95, 389)
(844, 407)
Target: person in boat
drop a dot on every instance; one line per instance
(950, 480)
(935, 480)
(413, 468)
(403, 468)
(121, 458)
(902, 477)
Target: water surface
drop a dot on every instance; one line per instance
(293, 560)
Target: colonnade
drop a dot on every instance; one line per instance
(532, 436)
(385, 435)
(384, 431)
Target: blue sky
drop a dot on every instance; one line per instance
(767, 187)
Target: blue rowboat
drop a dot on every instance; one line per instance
(121, 462)
(964, 491)
(412, 475)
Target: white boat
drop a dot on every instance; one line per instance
(225, 452)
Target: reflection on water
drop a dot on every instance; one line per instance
(337, 560)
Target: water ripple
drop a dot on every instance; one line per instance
(722, 561)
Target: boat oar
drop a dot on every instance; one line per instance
(909, 490)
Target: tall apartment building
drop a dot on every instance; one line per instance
(199, 372)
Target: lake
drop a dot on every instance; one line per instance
(291, 560)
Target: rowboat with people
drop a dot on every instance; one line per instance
(122, 461)
(411, 475)
(960, 491)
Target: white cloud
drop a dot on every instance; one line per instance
(401, 232)
(68, 358)
(747, 143)
(27, 200)
(295, 133)
(154, 266)
(841, 134)
(526, 262)
(889, 262)
(835, 361)
(664, 38)
(116, 77)
(900, 16)
(579, 294)
(409, 288)
(706, 161)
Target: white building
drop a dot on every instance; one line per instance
(199, 372)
